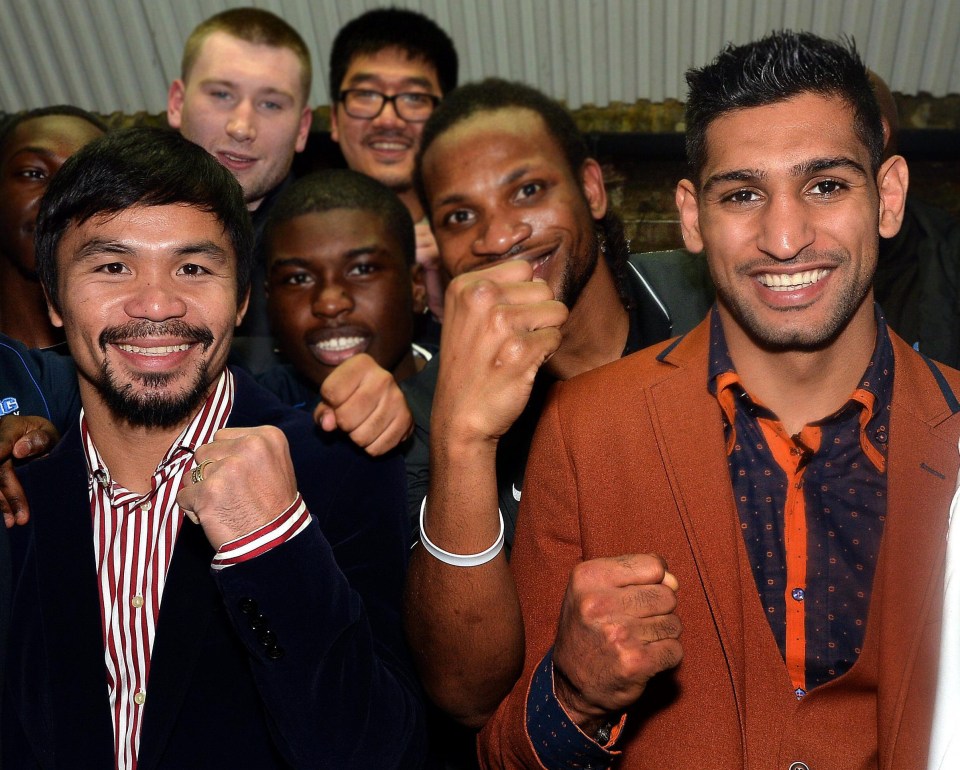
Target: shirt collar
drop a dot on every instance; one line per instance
(877, 379)
(210, 418)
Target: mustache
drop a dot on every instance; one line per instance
(135, 330)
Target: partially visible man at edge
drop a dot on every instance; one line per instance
(242, 96)
(507, 181)
(389, 67)
(790, 463)
(33, 146)
(278, 634)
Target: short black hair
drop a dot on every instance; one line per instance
(66, 110)
(417, 35)
(494, 94)
(344, 189)
(142, 166)
(776, 68)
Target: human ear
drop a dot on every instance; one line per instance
(591, 181)
(689, 210)
(893, 178)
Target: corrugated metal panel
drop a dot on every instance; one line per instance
(110, 55)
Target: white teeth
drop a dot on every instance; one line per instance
(336, 344)
(389, 146)
(161, 350)
(791, 282)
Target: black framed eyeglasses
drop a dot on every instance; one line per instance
(413, 107)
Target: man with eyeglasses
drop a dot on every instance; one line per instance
(389, 68)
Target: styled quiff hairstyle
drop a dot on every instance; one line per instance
(252, 25)
(413, 33)
(774, 69)
(133, 167)
(495, 94)
(344, 189)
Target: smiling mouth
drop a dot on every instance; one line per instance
(792, 282)
(158, 350)
(339, 344)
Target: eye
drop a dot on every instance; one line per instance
(220, 95)
(529, 190)
(296, 279)
(458, 218)
(32, 172)
(112, 268)
(362, 269)
(271, 106)
(414, 99)
(192, 269)
(828, 187)
(742, 196)
(365, 95)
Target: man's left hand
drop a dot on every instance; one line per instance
(363, 400)
(248, 480)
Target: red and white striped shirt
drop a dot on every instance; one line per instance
(134, 537)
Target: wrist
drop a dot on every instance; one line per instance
(593, 720)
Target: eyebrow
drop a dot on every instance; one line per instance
(504, 181)
(234, 86)
(366, 77)
(807, 168)
(99, 246)
(44, 151)
(360, 251)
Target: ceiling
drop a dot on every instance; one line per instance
(120, 55)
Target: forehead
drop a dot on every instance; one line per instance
(332, 234)
(391, 67)
(225, 58)
(783, 134)
(60, 134)
(510, 136)
(171, 227)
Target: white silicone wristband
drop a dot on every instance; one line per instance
(456, 559)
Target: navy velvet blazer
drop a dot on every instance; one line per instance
(342, 693)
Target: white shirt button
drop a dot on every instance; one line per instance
(140, 697)
(137, 601)
(145, 506)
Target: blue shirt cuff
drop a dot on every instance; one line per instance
(557, 741)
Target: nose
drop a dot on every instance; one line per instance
(388, 115)
(155, 298)
(331, 299)
(241, 125)
(785, 227)
(499, 235)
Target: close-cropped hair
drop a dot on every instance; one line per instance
(776, 68)
(493, 94)
(252, 25)
(413, 33)
(344, 189)
(66, 110)
(133, 167)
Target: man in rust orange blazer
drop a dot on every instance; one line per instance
(730, 546)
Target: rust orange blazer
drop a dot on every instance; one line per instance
(630, 458)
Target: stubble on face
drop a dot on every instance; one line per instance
(143, 402)
(783, 337)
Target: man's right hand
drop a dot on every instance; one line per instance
(617, 630)
(499, 328)
(20, 436)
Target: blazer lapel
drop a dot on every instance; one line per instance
(689, 428)
(72, 634)
(190, 601)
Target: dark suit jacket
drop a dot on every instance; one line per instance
(341, 695)
(630, 458)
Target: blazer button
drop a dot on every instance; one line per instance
(258, 622)
(267, 638)
(248, 606)
(799, 766)
(275, 652)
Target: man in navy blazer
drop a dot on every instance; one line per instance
(205, 580)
